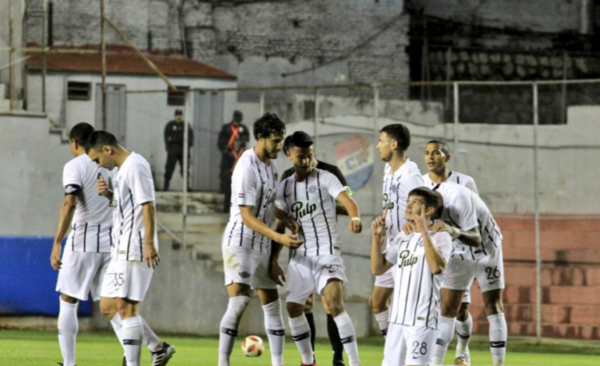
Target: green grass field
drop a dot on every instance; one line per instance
(28, 348)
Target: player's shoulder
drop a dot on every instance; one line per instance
(441, 236)
(462, 177)
(79, 163)
(287, 173)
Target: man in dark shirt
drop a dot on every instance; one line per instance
(332, 330)
(232, 141)
(174, 131)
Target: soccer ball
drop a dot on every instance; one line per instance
(253, 346)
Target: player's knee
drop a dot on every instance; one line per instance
(493, 308)
(108, 309)
(463, 312)
(69, 299)
(294, 310)
(336, 307)
(448, 309)
(376, 304)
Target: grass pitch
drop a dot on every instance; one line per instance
(29, 348)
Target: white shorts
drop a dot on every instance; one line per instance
(488, 270)
(248, 267)
(386, 280)
(308, 274)
(82, 273)
(127, 280)
(408, 345)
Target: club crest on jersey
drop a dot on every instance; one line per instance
(405, 259)
(301, 209)
(312, 189)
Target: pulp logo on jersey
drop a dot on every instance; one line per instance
(406, 259)
(301, 209)
(387, 203)
(269, 198)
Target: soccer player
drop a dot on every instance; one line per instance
(334, 336)
(247, 239)
(437, 156)
(400, 177)
(135, 250)
(87, 250)
(476, 253)
(307, 200)
(419, 258)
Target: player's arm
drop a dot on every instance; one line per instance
(351, 207)
(378, 262)
(284, 219)
(470, 237)
(275, 270)
(151, 256)
(256, 225)
(339, 208)
(65, 216)
(466, 218)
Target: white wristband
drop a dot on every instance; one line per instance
(355, 219)
(456, 233)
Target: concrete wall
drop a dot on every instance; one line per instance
(31, 190)
(147, 114)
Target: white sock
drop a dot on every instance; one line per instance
(498, 334)
(348, 337)
(133, 335)
(383, 321)
(68, 326)
(443, 338)
(150, 338)
(463, 334)
(229, 325)
(301, 334)
(117, 325)
(275, 331)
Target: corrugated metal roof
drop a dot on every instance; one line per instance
(125, 63)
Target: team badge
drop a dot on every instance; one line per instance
(312, 189)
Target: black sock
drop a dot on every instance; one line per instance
(334, 338)
(311, 324)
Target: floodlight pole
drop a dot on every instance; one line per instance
(376, 203)
(316, 120)
(103, 50)
(538, 250)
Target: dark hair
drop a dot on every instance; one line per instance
(400, 133)
(431, 200)
(238, 116)
(81, 132)
(99, 139)
(297, 139)
(267, 125)
(442, 144)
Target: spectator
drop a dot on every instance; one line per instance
(174, 131)
(232, 142)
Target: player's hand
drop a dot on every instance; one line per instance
(378, 225)
(290, 240)
(420, 221)
(440, 226)
(292, 225)
(409, 228)
(151, 256)
(55, 261)
(355, 226)
(103, 188)
(276, 273)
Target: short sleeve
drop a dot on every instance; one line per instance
(330, 181)
(442, 241)
(280, 202)
(412, 180)
(471, 185)
(391, 252)
(142, 185)
(71, 175)
(465, 210)
(244, 185)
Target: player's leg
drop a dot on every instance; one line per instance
(308, 312)
(380, 299)
(334, 337)
(332, 277)
(68, 327)
(490, 275)
(464, 328)
(132, 330)
(300, 286)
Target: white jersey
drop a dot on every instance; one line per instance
(312, 204)
(132, 188)
(454, 177)
(396, 187)
(416, 290)
(465, 210)
(253, 183)
(92, 222)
